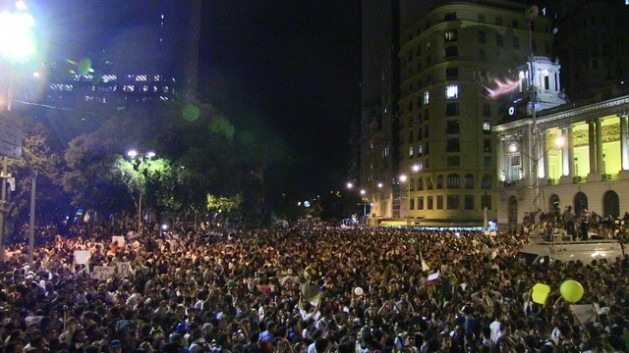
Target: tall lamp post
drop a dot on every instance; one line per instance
(138, 161)
(536, 158)
(404, 179)
(17, 44)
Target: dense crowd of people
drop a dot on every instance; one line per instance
(313, 289)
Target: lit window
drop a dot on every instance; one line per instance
(157, 78)
(450, 36)
(486, 126)
(452, 91)
(128, 88)
(141, 78)
(426, 97)
(411, 151)
(145, 88)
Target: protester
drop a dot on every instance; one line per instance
(295, 290)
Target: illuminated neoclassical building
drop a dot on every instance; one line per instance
(432, 162)
(579, 157)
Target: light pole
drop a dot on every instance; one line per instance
(139, 158)
(17, 44)
(404, 179)
(536, 158)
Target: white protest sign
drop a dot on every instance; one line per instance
(103, 273)
(124, 269)
(585, 313)
(433, 276)
(120, 239)
(82, 257)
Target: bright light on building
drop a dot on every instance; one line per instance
(17, 39)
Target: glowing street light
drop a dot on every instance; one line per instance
(134, 155)
(17, 38)
(17, 44)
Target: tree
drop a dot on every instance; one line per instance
(94, 176)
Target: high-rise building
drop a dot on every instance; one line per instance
(449, 55)
(591, 42)
(380, 112)
(117, 52)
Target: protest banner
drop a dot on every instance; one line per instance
(103, 273)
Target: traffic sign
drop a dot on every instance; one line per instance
(11, 137)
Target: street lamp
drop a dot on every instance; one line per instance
(536, 159)
(138, 159)
(403, 179)
(17, 44)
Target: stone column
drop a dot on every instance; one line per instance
(500, 161)
(600, 167)
(543, 163)
(592, 146)
(624, 148)
(566, 155)
(624, 144)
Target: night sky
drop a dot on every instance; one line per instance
(290, 69)
(286, 70)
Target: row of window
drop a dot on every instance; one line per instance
(113, 88)
(110, 77)
(451, 109)
(453, 52)
(452, 181)
(498, 21)
(452, 73)
(453, 202)
(451, 36)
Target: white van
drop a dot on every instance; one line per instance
(584, 251)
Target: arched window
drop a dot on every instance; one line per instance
(440, 182)
(469, 181)
(580, 203)
(485, 182)
(554, 204)
(611, 204)
(454, 182)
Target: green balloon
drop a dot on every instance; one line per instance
(571, 291)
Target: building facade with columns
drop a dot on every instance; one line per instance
(567, 156)
(432, 162)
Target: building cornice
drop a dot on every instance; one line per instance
(611, 106)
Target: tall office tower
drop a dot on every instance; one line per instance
(592, 44)
(120, 53)
(450, 53)
(380, 114)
